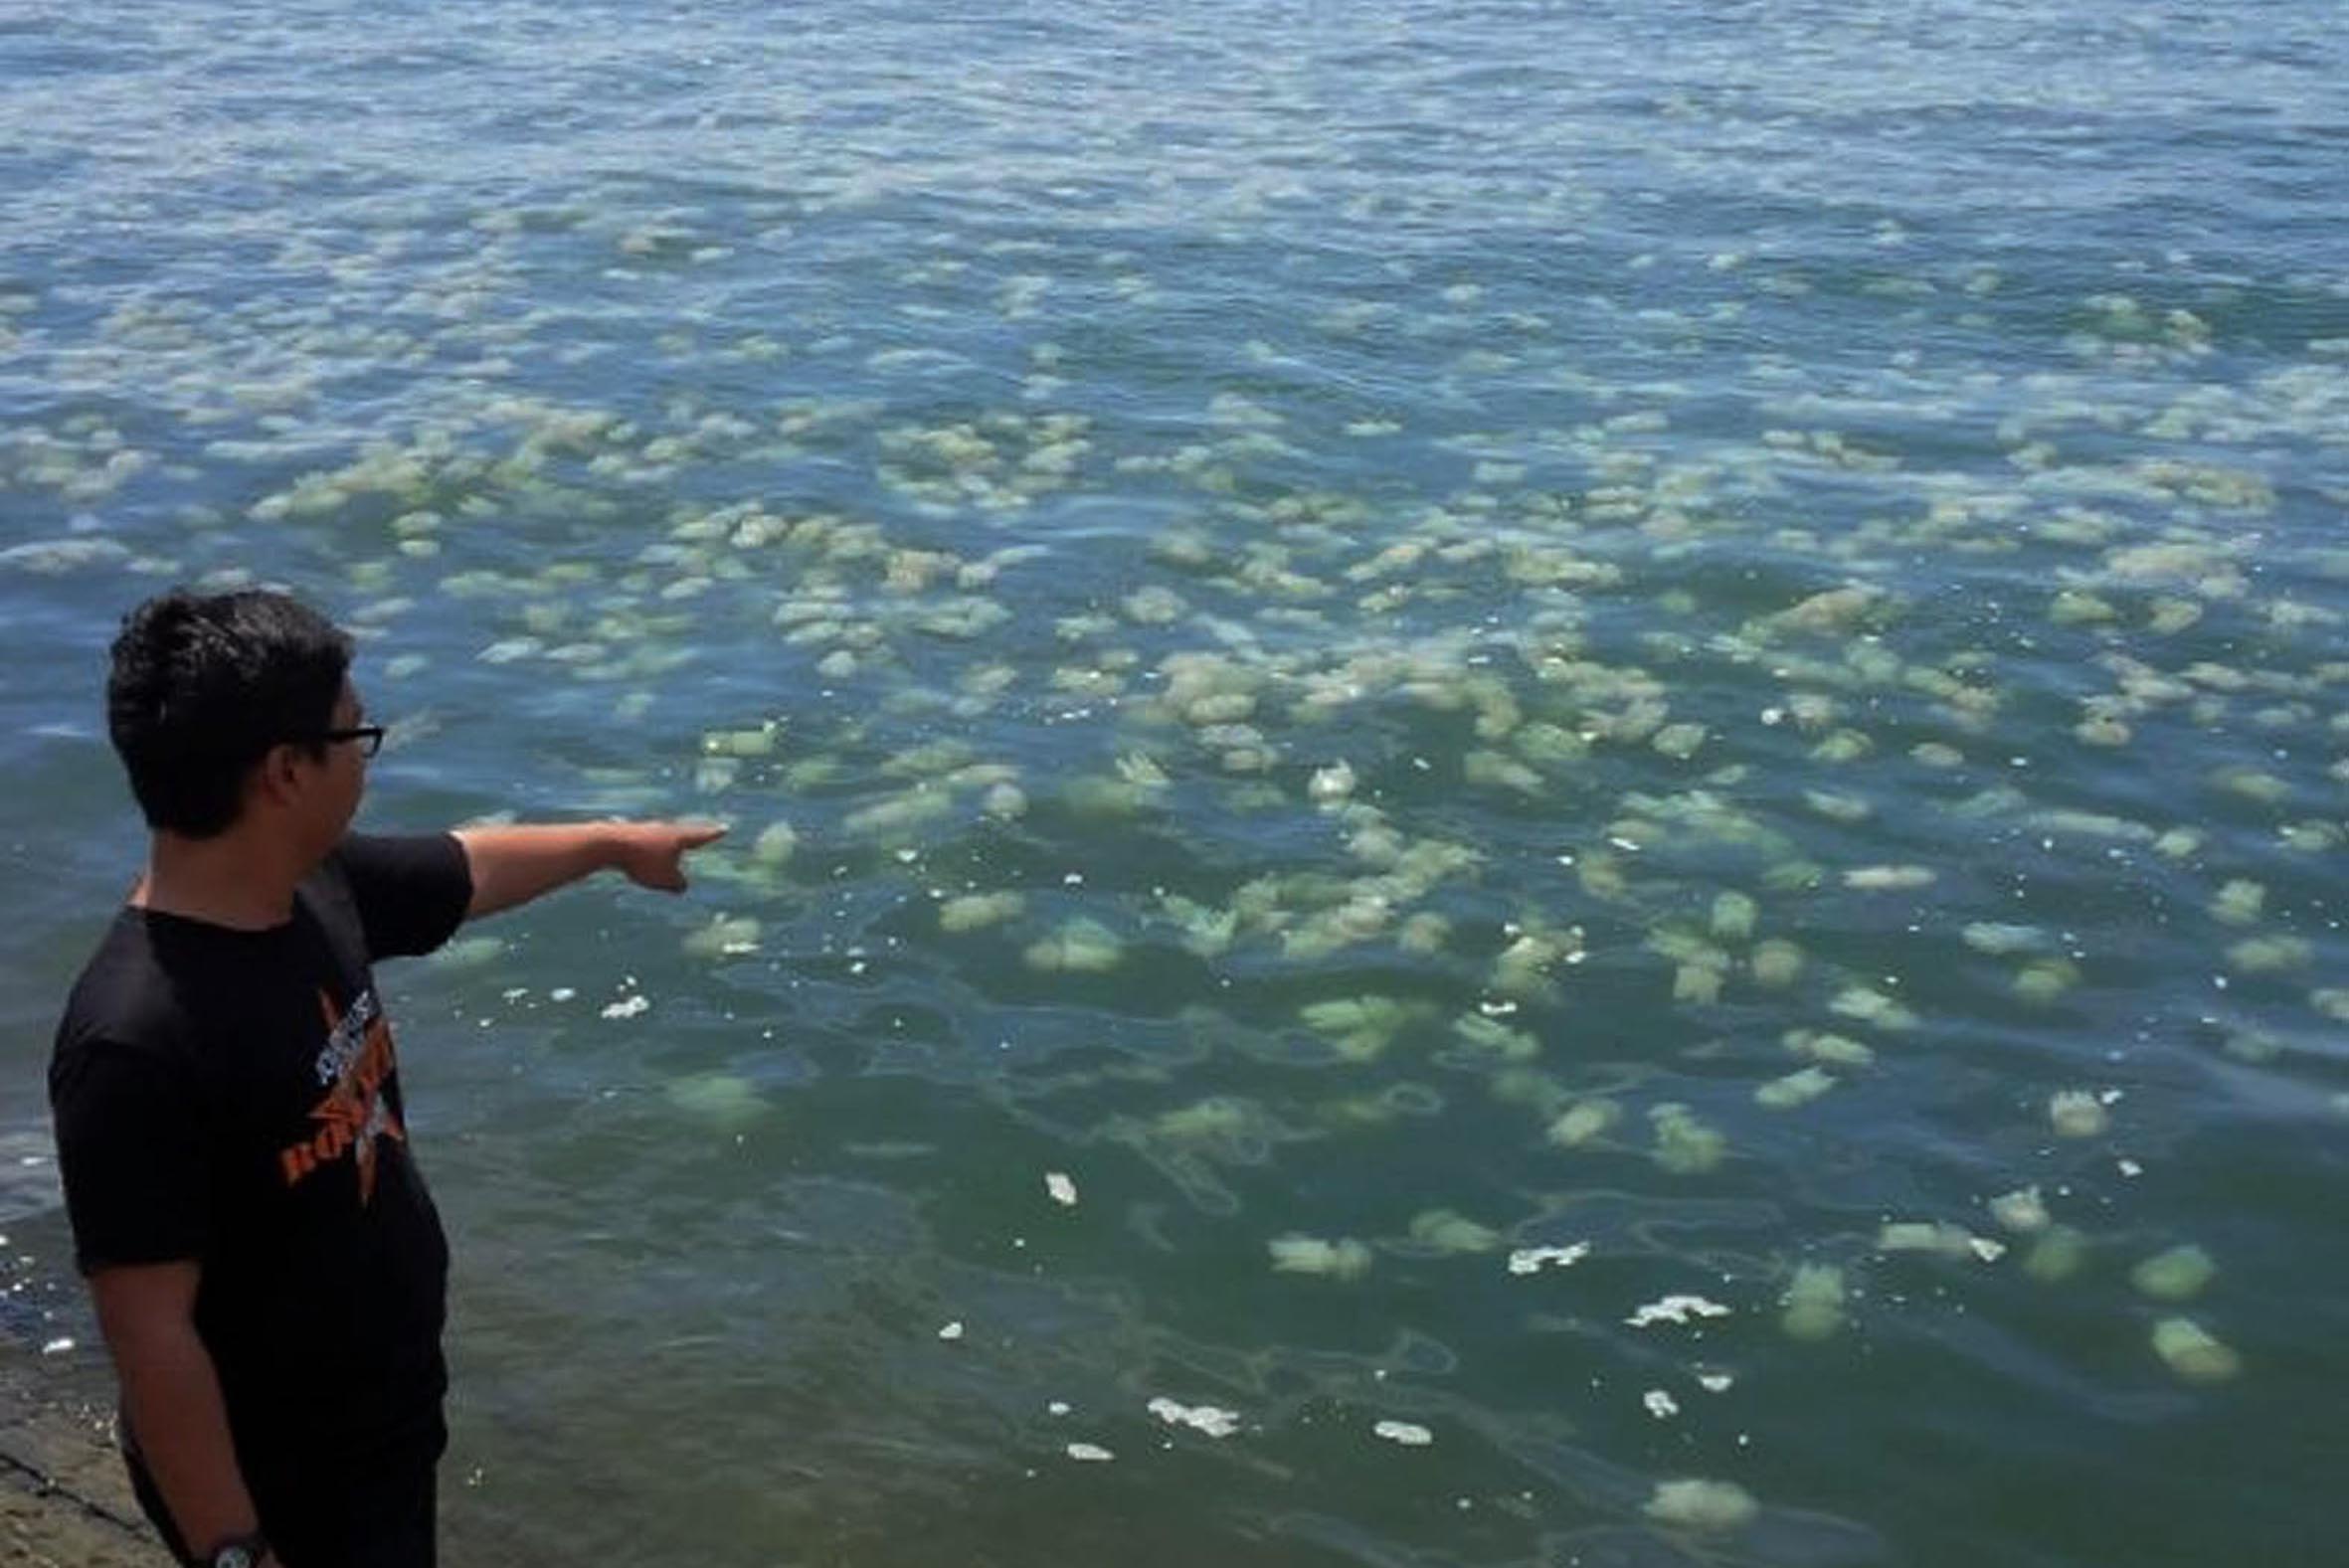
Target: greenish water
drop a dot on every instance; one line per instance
(1474, 666)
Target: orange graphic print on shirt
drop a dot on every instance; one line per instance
(353, 1067)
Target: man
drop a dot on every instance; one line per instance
(268, 1268)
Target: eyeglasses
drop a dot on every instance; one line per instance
(369, 736)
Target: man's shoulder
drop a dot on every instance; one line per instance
(124, 997)
(407, 892)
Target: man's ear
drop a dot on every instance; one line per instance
(277, 778)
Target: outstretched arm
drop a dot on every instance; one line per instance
(514, 865)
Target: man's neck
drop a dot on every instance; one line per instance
(238, 880)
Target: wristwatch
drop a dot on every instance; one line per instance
(238, 1552)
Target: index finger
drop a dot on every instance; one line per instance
(692, 835)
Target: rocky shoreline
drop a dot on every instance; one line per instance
(63, 1500)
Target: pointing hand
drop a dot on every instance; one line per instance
(652, 855)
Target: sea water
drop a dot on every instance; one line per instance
(1510, 783)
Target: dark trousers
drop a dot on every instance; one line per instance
(380, 1515)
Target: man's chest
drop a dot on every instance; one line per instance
(304, 1083)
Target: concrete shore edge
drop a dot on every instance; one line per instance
(63, 1500)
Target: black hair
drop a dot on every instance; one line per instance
(203, 685)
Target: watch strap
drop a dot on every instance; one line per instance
(238, 1552)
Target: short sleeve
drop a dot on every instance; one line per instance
(133, 1151)
(412, 892)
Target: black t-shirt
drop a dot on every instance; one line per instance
(232, 1097)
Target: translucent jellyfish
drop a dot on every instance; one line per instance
(1205, 931)
(1939, 1238)
(1521, 972)
(510, 650)
(2045, 980)
(1836, 805)
(726, 936)
(1502, 770)
(1425, 932)
(774, 845)
(1549, 745)
(1871, 1006)
(1679, 1309)
(1221, 1122)
(2264, 788)
(1585, 1120)
(758, 742)
(469, 953)
(57, 556)
(1059, 1187)
(2076, 1113)
(1225, 707)
(2239, 901)
(1601, 876)
(2000, 940)
(2310, 837)
(2252, 1045)
(1494, 1038)
(1533, 1260)
(899, 813)
(1888, 878)
(2073, 607)
(1833, 1050)
(1080, 946)
(1141, 771)
(726, 1099)
(2102, 730)
(2057, 1256)
(1838, 611)
(1698, 983)
(1409, 1434)
(2269, 954)
(1714, 1507)
(1447, 1231)
(2192, 1353)
(1344, 1259)
(1154, 605)
(975, 911)
(717, 773)
(2177, 1275)
(1686, 1145)
(1332, 784)
(1093, 795)
(1362, 1027)
(1795, 1089)
(1814, 1301)
(1776, 964)
(1679, 741)
(1327, 930)
(1214, 1422)
(808, 772)
(2021, 1211)
(1732, 916)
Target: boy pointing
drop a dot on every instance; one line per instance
(268, 1268)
